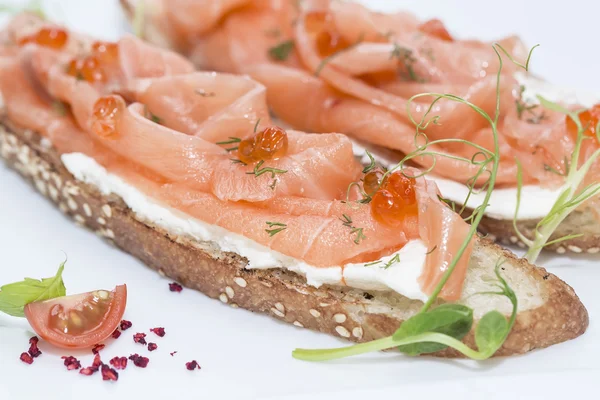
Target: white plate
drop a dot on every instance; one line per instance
(245, 355)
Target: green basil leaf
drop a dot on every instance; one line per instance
(454, 320)
(490, 332)
(15, 296)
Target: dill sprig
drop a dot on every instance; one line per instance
(258, 171)
(282, 51)
(347, 221)
(232, 140)
(407, 59)
(276, 227)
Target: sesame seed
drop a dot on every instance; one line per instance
(71, 189)
(561, 250)
(45, 173)
(63, 207)
(107, 210)
(223, 298)
(339, 318)
(593, 250)
(72, 204)
(280, 307)
(79, 219)
(575, 249)
(314, 313)
(87, 210)
(298, 324)
(277, 312)
(57, 180)
(53, 192)
(101, 221)
(267, 284)
(233, 305)
(342, 331)
(514, 239)
(41, 186)
(229, 291)
(241, 282)
(357, 332)
(161, 273)
(110, 234)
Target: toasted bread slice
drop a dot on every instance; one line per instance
(549, 310)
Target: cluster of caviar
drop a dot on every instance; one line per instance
(55, 38)
(95, 67)
(269, 144)
(327, 40)
(589, 121)
(393, 198)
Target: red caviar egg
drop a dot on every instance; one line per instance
(589, 120)
(269, 144)
(395, 201)
(372, 181)
(105, 114)
(106, 52)
(436, 28)
(87, 69)
(54, 38)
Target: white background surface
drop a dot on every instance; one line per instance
(244, 355)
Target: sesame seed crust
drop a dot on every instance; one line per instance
(280, 293)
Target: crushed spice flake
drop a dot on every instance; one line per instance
(139, 338)
(125, 325)
(109, 374)
(158, 331)
(173, 353)
(33, 347)
(116, 334)
(139, 361)
(87, 371)
(26, 358)
(152, 346)
(175, 287)
(192, 365)
(119, 362)
(97, 348)
(71, 362)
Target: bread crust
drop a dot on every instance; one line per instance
(282, 294)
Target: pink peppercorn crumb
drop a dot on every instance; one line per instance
(139, 361)
(139, 338)
(126, 325)
(173, 353)
(175, 287)
(87, 371)
(33, 347)
(116, 334)
(152, 346)
(192, 365)
(109, 374)
(97, 348)
(158, 331)
(71, 362)
(93, 368)
(119, 362)
(26, 358)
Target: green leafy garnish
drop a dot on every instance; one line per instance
(282, 51)
(571, 195)
(407, 59)
(347, 221)
(156, 119)
(276, 227)
(15, 296)
(432, 330)
(393, 260)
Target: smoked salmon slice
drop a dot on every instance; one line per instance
(178, 136)
(334, 66)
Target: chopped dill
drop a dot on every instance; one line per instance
(432, 250)
(407, 59)
(394, 260)
(237, 161)
(258, 171)
(231, 140)
(276, 227)
(371, 165)
(282, 51)
(347, 221)
(60, 108)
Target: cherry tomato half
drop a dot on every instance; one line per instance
(78, 321)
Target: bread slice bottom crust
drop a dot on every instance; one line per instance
(353, 314)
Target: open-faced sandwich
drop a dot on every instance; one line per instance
(186, 171)
(333, 66)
